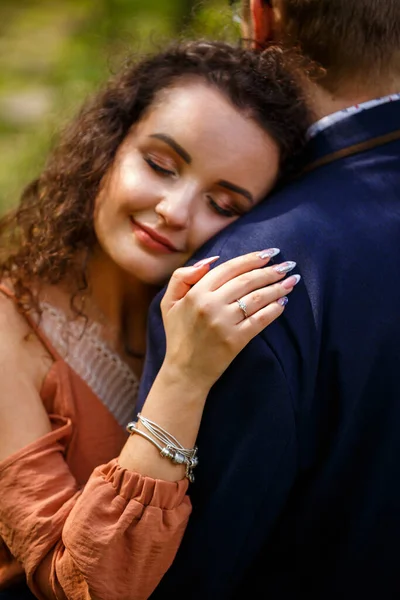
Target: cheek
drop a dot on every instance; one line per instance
(129, 188)
(207, 227)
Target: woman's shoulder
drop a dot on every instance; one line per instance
(24, 364)
(13, 326)
(20, 349)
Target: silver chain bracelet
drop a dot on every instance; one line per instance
(171, 449)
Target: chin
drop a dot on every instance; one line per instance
(146, 273)
(152, 279)
(136, 264)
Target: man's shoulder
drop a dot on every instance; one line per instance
(322, 204)
(303, 211)
(318, 209)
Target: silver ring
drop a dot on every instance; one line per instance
(243, 307)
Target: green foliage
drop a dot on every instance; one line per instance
(54, 53)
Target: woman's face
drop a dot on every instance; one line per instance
(190, 167)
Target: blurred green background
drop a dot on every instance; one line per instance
(53, 53)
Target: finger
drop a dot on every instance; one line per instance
(240, 286)
(259, 299)
(183, 279)
(236, 266)
(257, 322)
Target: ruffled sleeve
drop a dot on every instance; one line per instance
(113, 539)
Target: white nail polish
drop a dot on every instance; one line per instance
(291, 282)
(270, 253)
(286, 267)
(206, 261)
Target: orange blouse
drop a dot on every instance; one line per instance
(71, 518)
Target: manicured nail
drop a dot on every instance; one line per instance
(206, 261)
(283, 301)
(291, 281)
(270, 253)
(285, 267)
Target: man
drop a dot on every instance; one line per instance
(297, 491)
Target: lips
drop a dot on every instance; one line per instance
(147, 235)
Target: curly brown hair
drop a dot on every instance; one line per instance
(49, 236)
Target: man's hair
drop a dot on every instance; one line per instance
(351, 39)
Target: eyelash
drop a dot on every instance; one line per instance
(224, 212)
(158, 169)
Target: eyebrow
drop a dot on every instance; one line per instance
(188, 159)
(174, 145)
(237, 189)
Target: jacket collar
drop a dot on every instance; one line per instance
(356, 130)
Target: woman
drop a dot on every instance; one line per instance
(171, 151)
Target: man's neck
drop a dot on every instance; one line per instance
(322, 102)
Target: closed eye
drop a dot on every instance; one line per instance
(225, 212)
(158, 168)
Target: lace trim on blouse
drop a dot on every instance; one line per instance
(84, 350)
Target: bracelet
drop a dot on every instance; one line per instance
(171, 449)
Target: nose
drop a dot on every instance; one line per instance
(175, 207)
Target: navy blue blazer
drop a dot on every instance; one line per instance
(298, 485)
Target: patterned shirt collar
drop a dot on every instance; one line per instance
(340, 115)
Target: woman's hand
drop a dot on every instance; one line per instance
(206, 327)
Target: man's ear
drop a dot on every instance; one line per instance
(262, 16)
